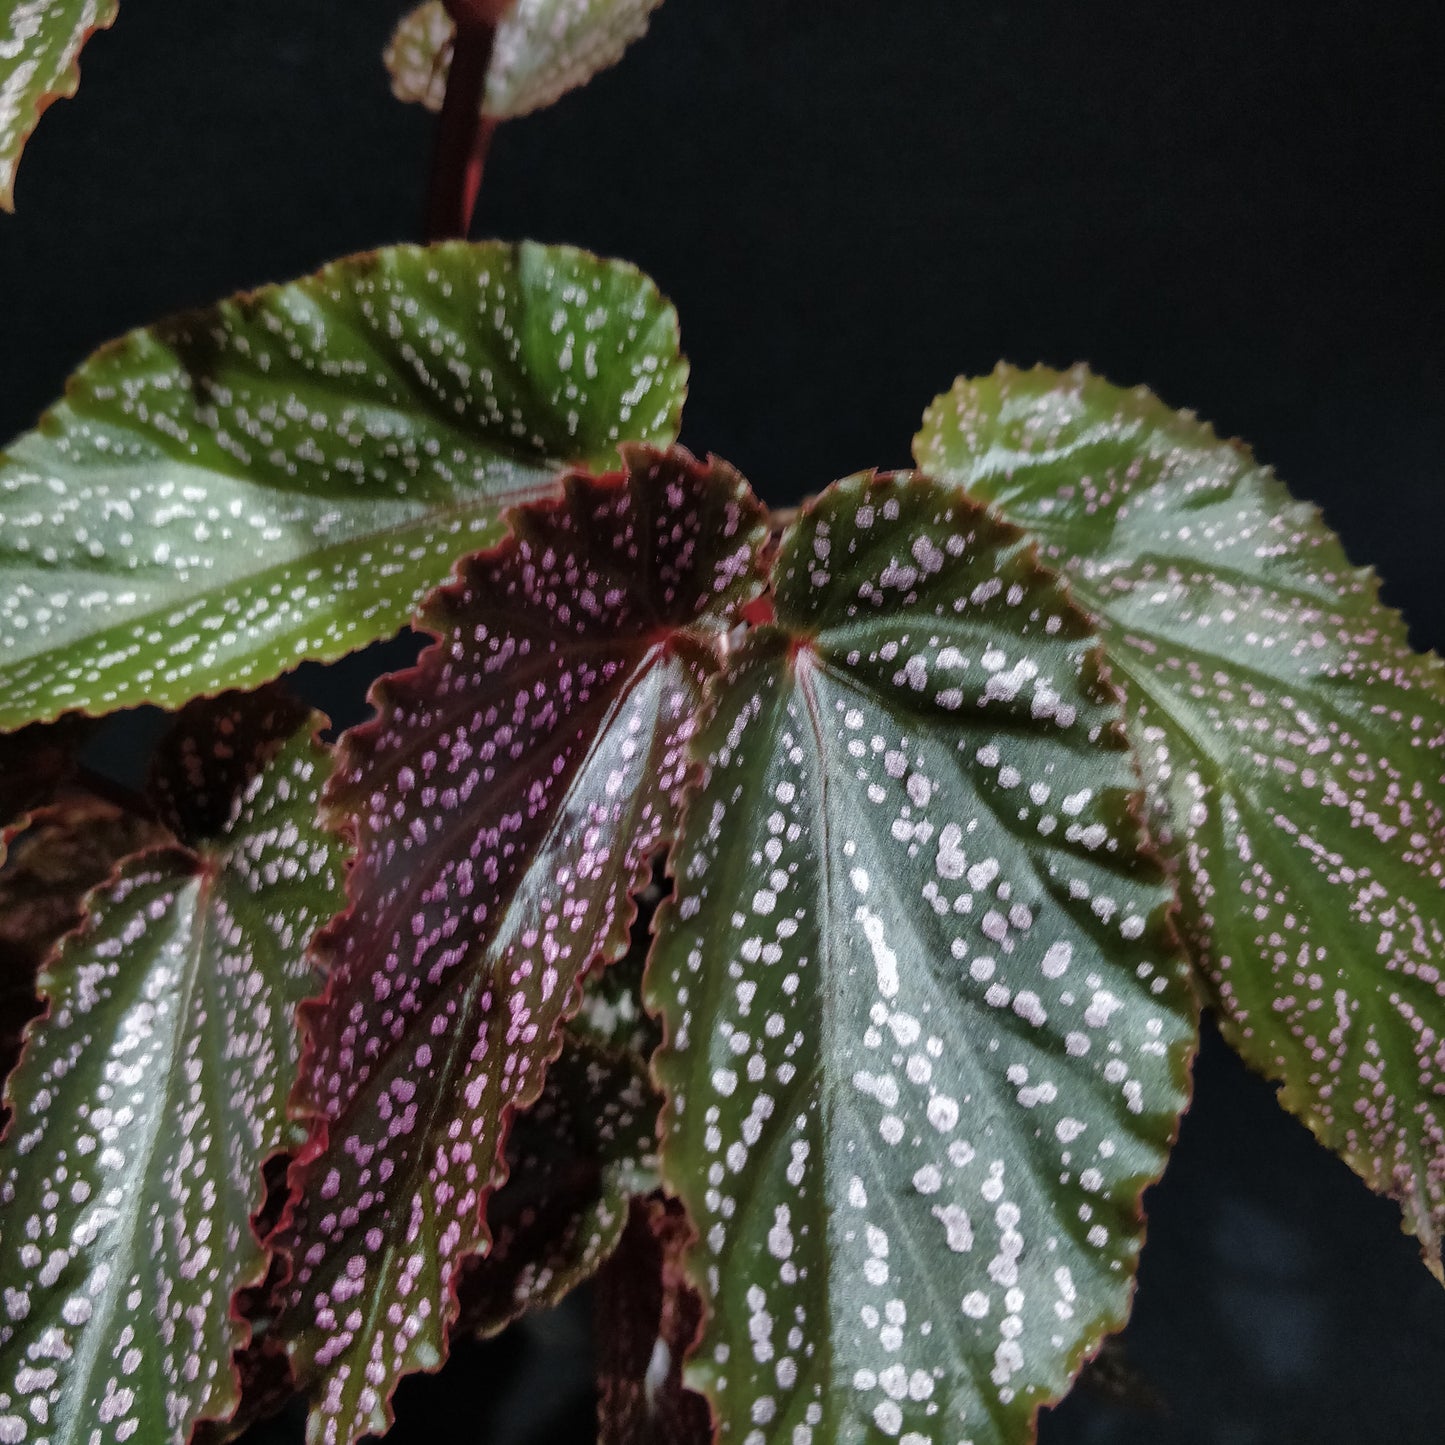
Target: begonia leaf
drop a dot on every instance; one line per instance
(927, 1028)
(285, 475)
(543, 49)
(506, 801)
(1293, 746)
(69, 846)
(574, 1160)
(36, 763)
(147, 1099)
(40, 45)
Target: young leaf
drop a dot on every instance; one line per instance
(70, 846)
(35, 764)
(927, 1034)
(647, 1319)
(543, 49)
(506, 801)
(40, 44)
(1292, 744)
(145, 1103)
(285, 475)
(574, 1159)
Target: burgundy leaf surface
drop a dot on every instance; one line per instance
(505, 801)
(648, 1316)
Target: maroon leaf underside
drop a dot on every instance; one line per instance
(505, 802)
(648, 1319)
(35, 763)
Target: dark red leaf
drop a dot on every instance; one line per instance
(648, 1317)
(506, 801)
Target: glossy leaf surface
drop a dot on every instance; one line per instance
(70, 846)
(927, 1033)
(40, 44)
(145, 1104)
(574, 1160)
(506, 799)
(285, 475)
(543, 49)
(1292, 742)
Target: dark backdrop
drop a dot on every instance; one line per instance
(1239, 203)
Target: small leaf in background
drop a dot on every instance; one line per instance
(506, 800)
(574, 1159)
(70, 846)
(1292, 743)
(146, 1101)
(543, 49)
(284, 476)
(40, 44)
(35, 764)
(577, 1155)
(927, 1030)
(648, 1316)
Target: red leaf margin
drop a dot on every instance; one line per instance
(387, 693)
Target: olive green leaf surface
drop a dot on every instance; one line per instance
(927, 1029)
(40, 44)
(574, 1160)
(506, 801)
(1292, 743)
(543, 49)
(284, 476)
(145, 1103)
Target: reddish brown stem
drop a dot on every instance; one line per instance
(463, 133)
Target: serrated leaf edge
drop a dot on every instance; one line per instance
(1027, 549)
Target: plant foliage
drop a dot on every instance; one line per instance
(40, 44)
(286, 475)
(148, 1099)
(543, 49)
(933, 765)
(1292, 743)
(927, 1035)
(506, 800)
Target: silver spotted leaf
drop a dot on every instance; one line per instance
(1292, 743)
(574, 1160)
(506, 801)
(40, 45)
(70, 846)
(285, 475)
(543, 49)
(146, 1102)
(927, 1028)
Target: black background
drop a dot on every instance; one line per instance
(1239, 203)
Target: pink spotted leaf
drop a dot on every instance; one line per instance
(1292, 742)
(927, 1028)
(506, 801)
